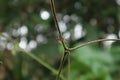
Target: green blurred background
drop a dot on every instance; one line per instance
(30, 26)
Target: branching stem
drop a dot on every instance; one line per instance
(66, 51)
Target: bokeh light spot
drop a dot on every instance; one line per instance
(44, 15)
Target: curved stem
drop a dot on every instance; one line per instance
(34, 57)
(91, 42)
(42, 63)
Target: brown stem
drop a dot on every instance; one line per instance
(68, 65)
(66, 52)
(61, 65)
(56, 23)
(91, 42)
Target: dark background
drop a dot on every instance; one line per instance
(31, 25)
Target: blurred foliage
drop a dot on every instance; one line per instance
(24, 22)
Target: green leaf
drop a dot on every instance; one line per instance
(88, 60)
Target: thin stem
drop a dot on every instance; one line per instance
(60, 38)
(61, 65)
(91, 42)
(34, 57)
(68, 65)
(39, 61)
(56, 23)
